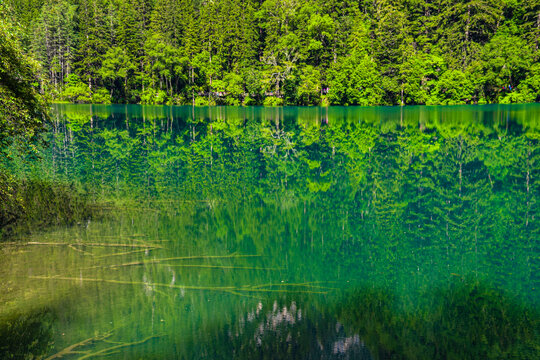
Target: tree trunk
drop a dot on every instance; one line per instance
(210, 55)
(192, 85)
(467, 29)
(537, 30)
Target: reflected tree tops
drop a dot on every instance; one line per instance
(458, 181)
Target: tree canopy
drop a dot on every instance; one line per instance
(22, 108)
(279, 52)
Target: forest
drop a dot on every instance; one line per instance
(281, 52)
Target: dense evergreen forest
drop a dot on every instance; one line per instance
(279, 52)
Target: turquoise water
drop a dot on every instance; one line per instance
(361, 233)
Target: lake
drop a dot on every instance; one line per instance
(283, 233)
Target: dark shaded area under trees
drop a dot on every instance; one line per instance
(279, 52)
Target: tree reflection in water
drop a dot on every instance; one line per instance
(420, 225)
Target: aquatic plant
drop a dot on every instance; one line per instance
(464, 319)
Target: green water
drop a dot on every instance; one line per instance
(309, 233)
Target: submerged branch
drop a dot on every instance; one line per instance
(92, 244)
(174, 286)
(123, 253)
(122, 282)
(70, 350)
(222, 267)
(282, 291)
(157, 261)
(80, 250)
(236, 293)
(306, 284)
(111, 350)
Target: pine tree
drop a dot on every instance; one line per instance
(94, 39)
(54, 41)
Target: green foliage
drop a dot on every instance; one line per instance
(101, 96)
(242, 51)
(419, 74)
(153, 96)
(273, 101)
(354, 80)
(531, 85)
(201, 101)
(22, 108)
(309, 89)
(117, 67)
(54, 41)
(453, 87)
(76, 91)
(506, 61)
(231, 89)
(164, 64)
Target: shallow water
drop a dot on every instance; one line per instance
(361, 233)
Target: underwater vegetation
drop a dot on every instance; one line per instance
(31, 204)
(26, 335)
(467, 319)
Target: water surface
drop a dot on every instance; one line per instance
(320, 233)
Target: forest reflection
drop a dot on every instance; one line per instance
(460, 181)
(333, 233)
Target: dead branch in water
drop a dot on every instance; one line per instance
(112, 281)
(70, 350)
(80, 250)
(222, 267)
(111, 350)
(306, 284)
(149, 246)
(155, 261)
(123, 253)
(227, 289)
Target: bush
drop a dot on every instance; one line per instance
(452, 88)
(249, 101)
(273, 101)
(76, 91)
(518, 97)
(151, 96)
(201, 101)
(101, 96)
